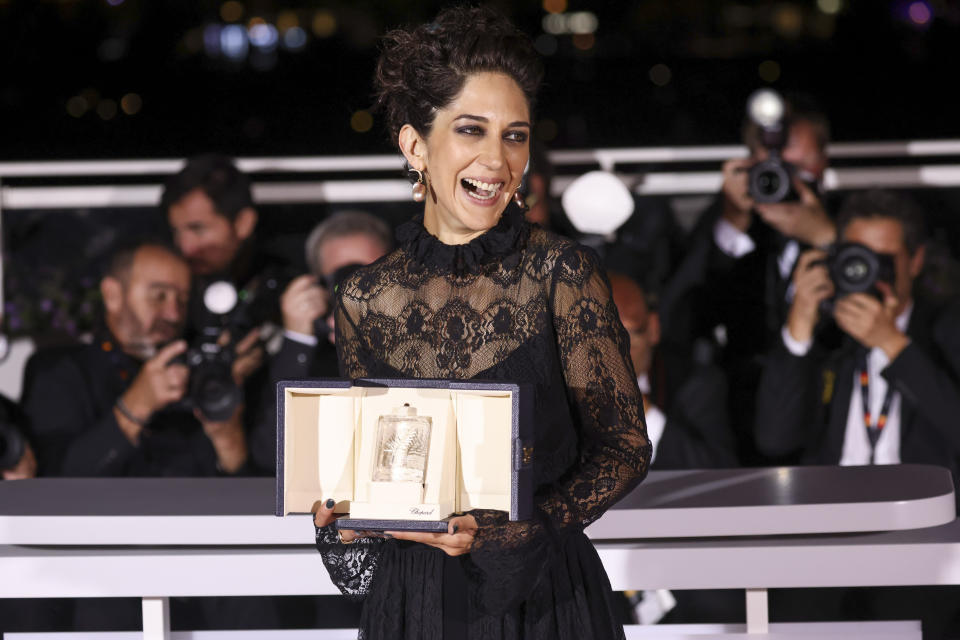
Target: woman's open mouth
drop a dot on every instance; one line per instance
(481, 191)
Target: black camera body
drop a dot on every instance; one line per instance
(212, 389)
(856, 268)
(771, 180)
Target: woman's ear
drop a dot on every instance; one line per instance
(413, 147)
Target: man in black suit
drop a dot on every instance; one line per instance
(114, 407)
(334, 249)
(899, 354)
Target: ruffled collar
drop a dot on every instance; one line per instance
(507, 237)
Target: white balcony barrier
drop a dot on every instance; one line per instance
(920, 169)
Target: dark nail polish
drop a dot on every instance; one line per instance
(387, 535)
(331, 503)
(455, 528)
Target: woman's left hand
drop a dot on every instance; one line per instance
(457, 541)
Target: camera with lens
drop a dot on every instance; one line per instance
(856, 268)
(212, 389)
(13, 444)
(771, 180)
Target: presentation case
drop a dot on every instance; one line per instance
(402, 454)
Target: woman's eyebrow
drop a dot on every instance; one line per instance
(467, 116)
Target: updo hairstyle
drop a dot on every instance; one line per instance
(424, 69)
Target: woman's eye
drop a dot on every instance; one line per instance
(470, 131)
(517, 136)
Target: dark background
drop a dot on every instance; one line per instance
(880, 74)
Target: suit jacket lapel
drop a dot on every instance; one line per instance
(842, 366)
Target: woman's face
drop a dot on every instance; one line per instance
(474, 157)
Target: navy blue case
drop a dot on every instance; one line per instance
(521, 500)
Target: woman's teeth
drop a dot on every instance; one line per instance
(481, 190)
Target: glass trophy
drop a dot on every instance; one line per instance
(403, 442)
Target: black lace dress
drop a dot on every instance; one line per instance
(517, 303)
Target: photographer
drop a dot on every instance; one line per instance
(733, 284)
(115, 407)
(334, 248)
(814, 389)
(899, 353)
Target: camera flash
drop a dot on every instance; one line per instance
(765, 107)
(220, 297)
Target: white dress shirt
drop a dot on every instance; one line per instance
(856, 444)
(653, 416)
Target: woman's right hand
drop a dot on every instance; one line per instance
(324, 516)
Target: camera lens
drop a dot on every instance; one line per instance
(769, 181)
(855, 270)
(214, 392)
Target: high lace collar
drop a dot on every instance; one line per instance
(508, 236)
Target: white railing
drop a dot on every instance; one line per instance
(626, 162)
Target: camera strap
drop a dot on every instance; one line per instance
(873, 430)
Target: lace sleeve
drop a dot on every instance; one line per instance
(614, 450)
(351, 566)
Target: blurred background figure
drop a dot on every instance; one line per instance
(732, 286)
(118, 409)
(334, 249)
(867, 371)
(687, 424)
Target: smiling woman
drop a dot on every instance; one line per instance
(474, 157)
(474, 291)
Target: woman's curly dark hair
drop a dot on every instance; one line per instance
(424, 69)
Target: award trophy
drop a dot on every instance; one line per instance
(402, 445)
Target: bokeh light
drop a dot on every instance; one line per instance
(231, 11)
(830, 7)
(295, 38)
(361, 121)
(584, 41)
(287, 20)
(555, 24)
(107, 109)
(920, 13)
(77, 106)
(324, 24)
(582, 22)
(769, 70)
(555, 6)
(233, 41)
(211, 40)
(131, 104)
(263, 36)
(788, 21)
(660, 75)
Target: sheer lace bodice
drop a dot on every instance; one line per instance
(517, 303)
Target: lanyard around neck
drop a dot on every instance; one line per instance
(873, 430)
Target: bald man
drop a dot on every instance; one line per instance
(692, 429)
